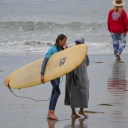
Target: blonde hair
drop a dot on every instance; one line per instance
(120, 8)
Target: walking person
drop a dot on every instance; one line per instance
(77, 87)
(118, 27)
(60, 42)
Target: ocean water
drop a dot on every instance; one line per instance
(33, 25)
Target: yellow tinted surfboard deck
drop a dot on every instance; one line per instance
(58, 65)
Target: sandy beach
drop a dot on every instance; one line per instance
(108, 101)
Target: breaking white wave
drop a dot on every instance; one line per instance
(42, 46)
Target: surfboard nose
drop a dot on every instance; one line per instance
(6, 82)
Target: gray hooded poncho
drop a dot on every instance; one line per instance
(77, 86)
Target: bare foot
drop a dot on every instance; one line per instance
(118, 56)
(53, 116)
(83, 114)
(75, 116)
(48, 115)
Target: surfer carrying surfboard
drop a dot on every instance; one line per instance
(60, 43)
(77, 87)
(118, 27)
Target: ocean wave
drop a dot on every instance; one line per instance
(25, 46)
(42, 46)
(33, 26)
(28, 42)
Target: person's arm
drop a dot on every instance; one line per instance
(87, 64)
(46, 58)
(125, 21)
(108, 22)
(87, 60)
(43, 69)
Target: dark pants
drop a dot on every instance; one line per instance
(55, 93)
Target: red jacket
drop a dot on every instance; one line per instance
(117, 24)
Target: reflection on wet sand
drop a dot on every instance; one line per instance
(74, 125)
(117, 81)
(117, 86)
(51, 123)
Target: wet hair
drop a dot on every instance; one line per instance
(60, 37)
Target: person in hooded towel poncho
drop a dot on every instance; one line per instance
(77, 87)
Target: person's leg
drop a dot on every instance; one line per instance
(81, 112)
(122, 44)
(50, 104)
(115, 41)
(56, 89)
(74, 115)
(54, 101)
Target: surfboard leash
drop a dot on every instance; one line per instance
(29, 97)
(26, 97)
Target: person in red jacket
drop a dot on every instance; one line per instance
(118, 27)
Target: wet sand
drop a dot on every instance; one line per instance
(108, 85)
